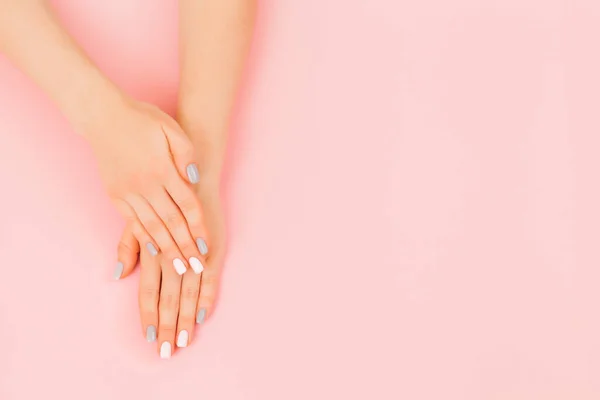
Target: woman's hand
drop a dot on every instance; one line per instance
(171, 305)
(146, 162)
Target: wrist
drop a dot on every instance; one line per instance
(209, 141)
(95, 106)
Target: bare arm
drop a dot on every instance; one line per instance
(33, 40)
(214, 40)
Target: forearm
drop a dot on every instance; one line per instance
(32, 38)
(214, 40)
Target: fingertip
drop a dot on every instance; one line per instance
(118, 272)
(192, 172)
(202, 246)
(201, 315)
(126, 261)
(165, 350)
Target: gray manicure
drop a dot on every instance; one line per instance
(118, 271)
(151, 249)
(192, 173)
(151, 333)
(202, 246)
(201, 315)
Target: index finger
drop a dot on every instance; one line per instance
(189, 204)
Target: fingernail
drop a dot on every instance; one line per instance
(165, 350)
(151, 249)
(201, 315)
(196, 265)
(179, 266)
(182, 339)
(192, 173)
(118, 271)
(151, 333)
(202, 246)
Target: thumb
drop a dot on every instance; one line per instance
(182, 151)
(127, 253)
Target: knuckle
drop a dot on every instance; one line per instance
(154, 226)
(124, 248)
(184, 147)
(191, 209)
(149, 298)
(169, 301)
(191, 293)
(188, 247)
(137, 229)
(167, 329)
(122, 207)
(169, 249)
(174, 219)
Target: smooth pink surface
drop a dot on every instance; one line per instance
(413, 209)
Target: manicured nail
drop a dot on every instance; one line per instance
(165, 350)
(192, 173)
(118, 271)
(196, 265)
(201, 315)
(202, 246)
(182, 339)
(179, 266)
(151, 333)
(151, 249)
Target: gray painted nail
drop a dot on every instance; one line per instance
(118, 271)
(192, 173)
(151, 249)
(202, 246)
(201, 315)
(151, 334)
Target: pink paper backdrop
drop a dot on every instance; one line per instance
(413, 210)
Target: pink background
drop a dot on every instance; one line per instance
(413, 210)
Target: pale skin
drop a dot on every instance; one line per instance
(162, 174)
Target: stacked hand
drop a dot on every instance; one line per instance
(147, 164)
(162, 177)
(171, 305)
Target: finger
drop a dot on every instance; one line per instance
(127, 253)
(168, 309)
(148, 295)
(159, 232)
(209, 286)
(140, 233)
(190, 288)
(183, 153)
(191, 208)
(172, 217)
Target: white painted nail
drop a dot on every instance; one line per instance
(182, 339)
(179, 266)
(165, 350)
(196, 265)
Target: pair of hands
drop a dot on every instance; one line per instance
(175, 223)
